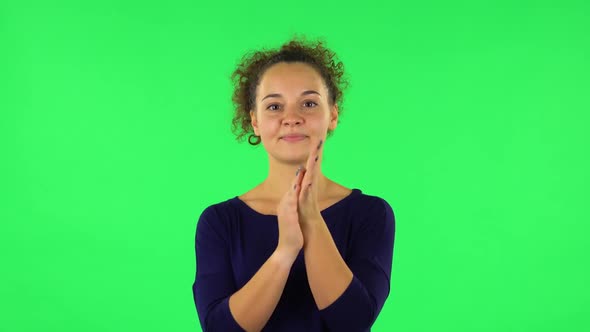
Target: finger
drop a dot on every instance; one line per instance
(319, 151)
(309, 168)
(314, 169)
(314, 158)
(297, 181)
(309, 174)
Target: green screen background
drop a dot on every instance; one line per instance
(469, 117)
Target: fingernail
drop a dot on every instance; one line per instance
(319, 145)
(294, 186)
(298, 169)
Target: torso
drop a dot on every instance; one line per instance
(260, 204)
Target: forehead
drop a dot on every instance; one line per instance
(290, 77)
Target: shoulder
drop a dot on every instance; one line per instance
(217, 210)
(371, 203)
(217, 217)
(372, 210)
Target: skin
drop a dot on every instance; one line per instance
(287, 114)
(301, 225)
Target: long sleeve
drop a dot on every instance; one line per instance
(214, 282)
(370, 260)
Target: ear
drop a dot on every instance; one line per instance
(254, 122)
(333, 117)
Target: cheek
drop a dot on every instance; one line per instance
(269, 128)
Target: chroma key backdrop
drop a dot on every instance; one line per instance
(471, 118)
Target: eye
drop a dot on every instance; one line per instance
(271, 105)
(311, 102)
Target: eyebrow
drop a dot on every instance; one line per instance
(304, 93)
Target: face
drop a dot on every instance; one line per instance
(292, 99)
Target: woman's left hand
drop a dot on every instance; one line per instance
(307, 205)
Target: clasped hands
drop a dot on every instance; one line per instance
(306, 185)
(298, 209)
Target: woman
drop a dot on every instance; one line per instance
(298, 252)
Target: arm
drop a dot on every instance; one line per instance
(254, 303)
(214, 281)
(351, 293)
(219, 305)
(327, 273)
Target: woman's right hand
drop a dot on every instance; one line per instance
(290, 235)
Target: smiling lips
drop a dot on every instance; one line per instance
(293, 138)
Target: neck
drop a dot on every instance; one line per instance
(281, 177)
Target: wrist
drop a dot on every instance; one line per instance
(313, 232)
(284, 257)
(311, 226)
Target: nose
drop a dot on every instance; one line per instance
(292, 116)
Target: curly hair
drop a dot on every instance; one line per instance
(246, 78)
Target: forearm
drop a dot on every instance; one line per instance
(327, 273)
(255, 302)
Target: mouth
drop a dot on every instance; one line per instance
(294, 138)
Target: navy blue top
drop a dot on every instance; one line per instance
(233, 241)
